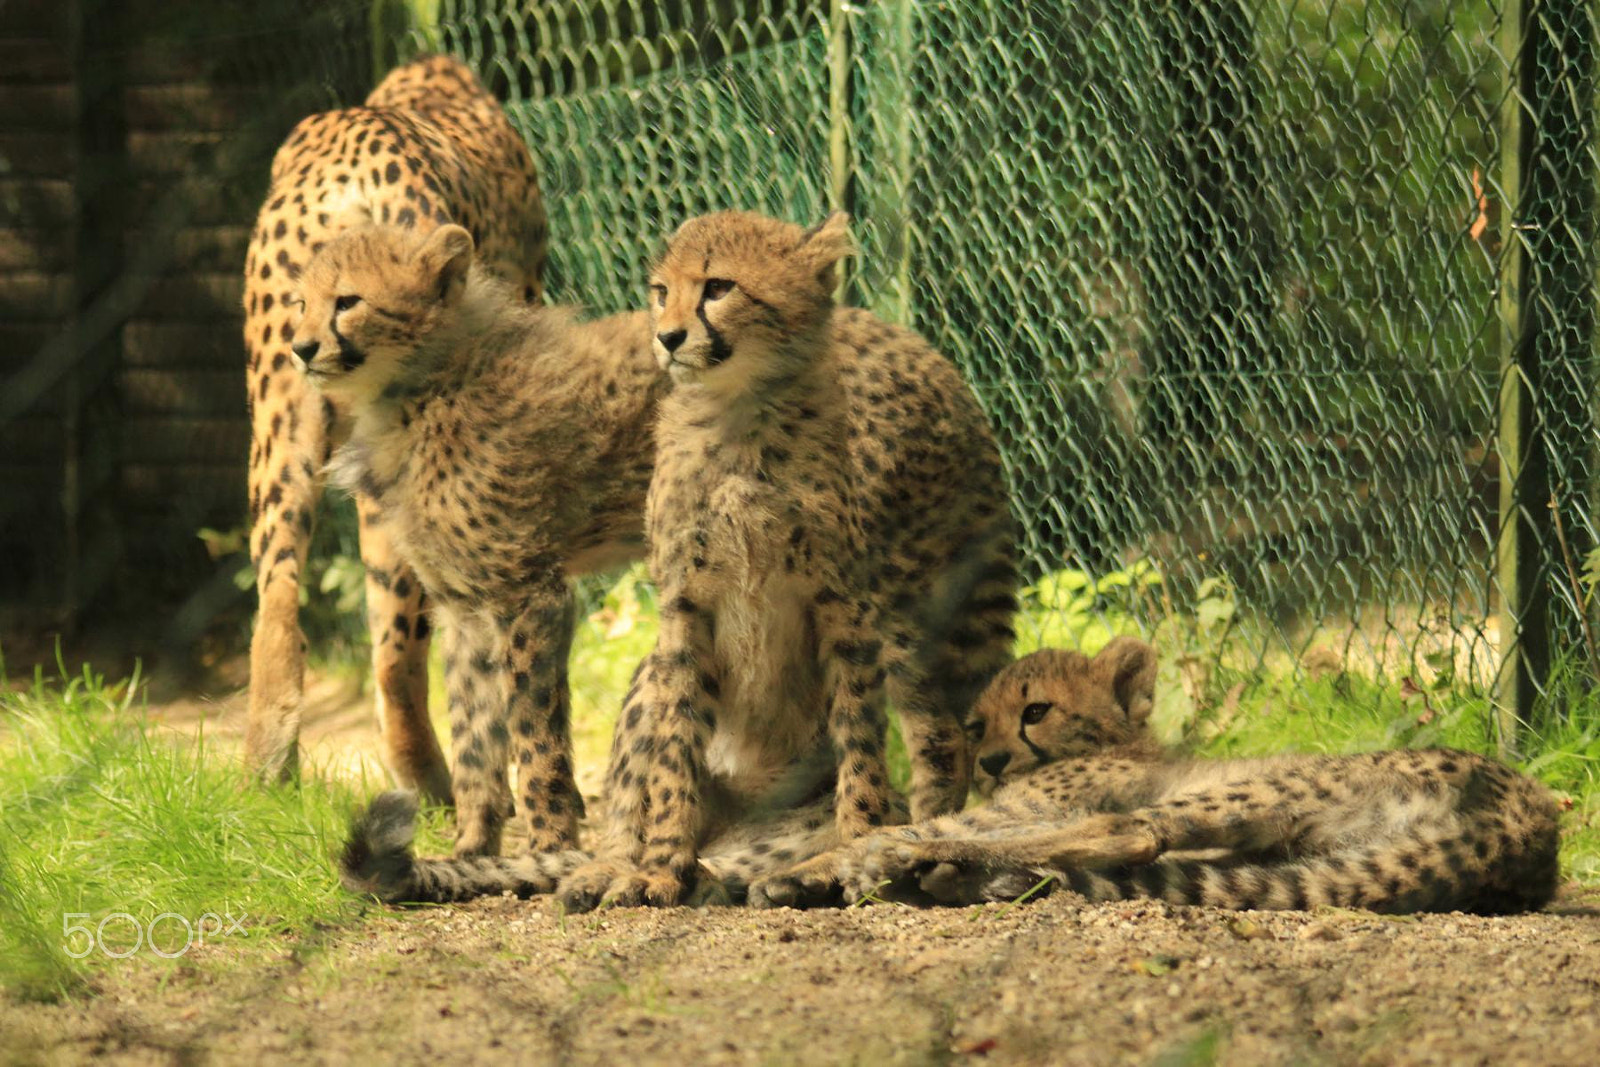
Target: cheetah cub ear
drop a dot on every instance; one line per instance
(824, 245)
(1128, 666)
(443, 260)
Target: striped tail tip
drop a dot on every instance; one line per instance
(377, 859)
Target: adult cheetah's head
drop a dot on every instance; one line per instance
(739, 298)
(1055, 705)
(370, 299)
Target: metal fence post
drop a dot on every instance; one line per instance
(841, 169)
(1547, 332)
(895, 301)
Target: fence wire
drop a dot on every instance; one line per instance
(1286, 301)
(1227, 276)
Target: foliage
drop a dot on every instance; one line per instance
(333, 594)
(611, 640)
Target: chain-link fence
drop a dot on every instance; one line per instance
(1289, 299)
(1235, 281)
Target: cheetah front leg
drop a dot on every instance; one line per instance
(398, 622)
(659, 759)
(689, 694)
(945, 653)
(289, 430)
(1007, 835)
(853, 870)
(477, 682)
(941, 765)
(967, 870)
(539, 713)
(616, 854)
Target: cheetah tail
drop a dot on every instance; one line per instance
(378, 861)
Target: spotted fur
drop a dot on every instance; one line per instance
(502, 449)
(429, 146)
(1084, 798)
(827, 519)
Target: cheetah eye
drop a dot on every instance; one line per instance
(345, 303)
(717, 288)
(660, 293)
(975, 730)
(1033, 714)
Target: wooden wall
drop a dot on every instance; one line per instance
(135, 137)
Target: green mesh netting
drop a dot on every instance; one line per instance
(1227, 276)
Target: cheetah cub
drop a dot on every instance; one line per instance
(1084, 798)
(505, 449)
(828, 516)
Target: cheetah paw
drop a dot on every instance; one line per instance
(812, 884)
(884, 869)
(962, 883)
(709, 891)
(590, 885)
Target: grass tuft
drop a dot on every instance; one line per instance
(141, 835)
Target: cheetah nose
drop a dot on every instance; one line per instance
(306, 350)
(994, 763)
(671, 341)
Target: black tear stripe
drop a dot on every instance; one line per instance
(720, 348)
(1038, 753)
(350, 357)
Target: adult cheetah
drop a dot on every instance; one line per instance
(429, 146)
(827, 517)
(1085, 798)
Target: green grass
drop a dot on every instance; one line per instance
(102, 815)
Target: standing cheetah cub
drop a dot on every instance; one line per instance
(504, 449)
(827, 517)
(1085, 798)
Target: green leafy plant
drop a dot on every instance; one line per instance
(333, 591)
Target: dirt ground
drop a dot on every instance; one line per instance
(1052, 981)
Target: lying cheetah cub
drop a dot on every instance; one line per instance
(505, 448)
(1084, 797)
(828, 515)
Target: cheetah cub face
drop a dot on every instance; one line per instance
(1054, 705)
(738, 300)
(370, 300)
